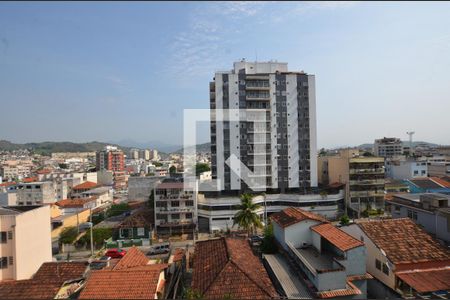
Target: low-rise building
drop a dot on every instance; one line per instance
(175, 208)
(403, 258)
(428, 185)
(25, 241)
(141, 187)
(439, 168)
(332, 261)
(136, 228)
(406, 169)
(388, 147)
(227, 268)
(431, 211)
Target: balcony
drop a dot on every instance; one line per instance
(174, 210)
(367, 171)
(367, 182)
(180, 222)
(366, 194)
(173, 197)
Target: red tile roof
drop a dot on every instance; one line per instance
(405, 243)
(30, 179)
(337, 237)
(292, 215)
(122, 284)
(74, 203)
(133, 258)
(228, 267)
(85, 186)
(441, 181)
(424, 281)
(179, 254)
(46, 283)
(8, 183)
(351, 290)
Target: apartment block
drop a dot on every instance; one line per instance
(406, 168)
(274, 134)
(363, 177)
(388, 147)
(175, 208)
(25, 241)
(111, 158)
(14, 171)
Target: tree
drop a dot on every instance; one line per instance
(200, 168)
(157, 164)
(172, 170)
(345, 220)
(246, 217)
(99, 236)
(68, 235)
(268, 245)
(63, 166)
(118, 209)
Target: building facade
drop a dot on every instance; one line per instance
(406, 169)
(274, 135)
(111, 158)
(25, 241)
(388, 147)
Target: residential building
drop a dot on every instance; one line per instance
(36, 193)
(430, 211)
(275, 135)
(216, 213)
(102, 194)
(25, 241)
(13, 171)
(388, 147)
(69, 206)
(406, 168)
(175, 208)
(83, 187)
(111, 158)
(144, 154)
(134, 154)
(136, 228)
(332, 261)
(61, 218)
(428, 185)
(439, 169)
(363, 177)
(404, 260)
(155, 155)
(141, 187)
(227, 268)
(132, 277)
(53, 280)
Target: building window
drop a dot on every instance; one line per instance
(4, 263)
(189, 216)
(10, 235)
(11, 260)
(377, 264)
(3, 239)
(140, 231)
(175, 203)
(189, 203)
(385, 269)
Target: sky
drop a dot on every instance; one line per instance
(84, 71)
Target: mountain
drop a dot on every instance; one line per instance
(47, 148)
(201, 148)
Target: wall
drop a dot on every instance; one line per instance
(8, 199)
(70, 221)
(299, 233)
(6, 250)
(33, 241)
(355, 261)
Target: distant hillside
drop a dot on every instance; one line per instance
(201, 148)
(47, 148)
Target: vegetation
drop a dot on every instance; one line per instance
(345, 220)
(68, 235)
(118, 209)
(99, 236)
(191, 294)
(268, 245)
(63, 166)
(98, 218)
(157, 164)
(367, 154)
(246, 217)
(200, 168)
(172, 170)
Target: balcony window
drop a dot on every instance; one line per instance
(385, 269)
(4, 262)
(3, 239)
(378, 264)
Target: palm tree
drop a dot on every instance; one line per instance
(246, 217)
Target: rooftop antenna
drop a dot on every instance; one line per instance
(256, 55)
(410, 133)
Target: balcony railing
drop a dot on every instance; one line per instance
(367, 181)
(175, 223)
(366, 194)
(367, 171)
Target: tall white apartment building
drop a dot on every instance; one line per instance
(279, 150)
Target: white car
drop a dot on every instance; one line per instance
(159, 249)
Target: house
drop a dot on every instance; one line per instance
(25, 241)
(131, 278)
(431, 211)
(138, 226)
(68, 206)
(83, 187)
(227, 267)
(428, 185)
(403, 259)
(60, 220)
(52, 279)
(331, 261)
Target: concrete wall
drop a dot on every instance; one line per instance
(70, 221)
(299, 233)
(32, 241)
(354, 264)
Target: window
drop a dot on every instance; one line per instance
(141, 232)
(416, 172)
(175, 216)
(4, 263)
(189, 203)
(175, 203)
(10, 235)
(377, 264)
(3, 237)
(11, 260)
(188, 216)
(385, 269)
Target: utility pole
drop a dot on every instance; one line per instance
(92, 225)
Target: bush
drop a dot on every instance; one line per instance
(200, 168)
(68, 235)
(345, 220)
(99, 235)
(268, 245)
(118, 209)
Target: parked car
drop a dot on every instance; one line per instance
(116, 253)
(159, 249)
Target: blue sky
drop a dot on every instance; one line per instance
(114, 71)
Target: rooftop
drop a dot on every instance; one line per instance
(85, 186)
(405, 243)
(73, 203)
(228, 266)
(425, 183)
(292, 215)
(424, 281)
(133, 258)
(342, 240)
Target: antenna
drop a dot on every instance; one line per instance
(410, 133)
(256, 55)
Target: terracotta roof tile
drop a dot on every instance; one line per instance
(228, 267)
(8, 183)
(292, 215)
(441, 181)
(30, 179)
(60, 271)
(123, 284)
(178, 254)
(85, 186)
(133, 258)
(337, 237)
(405, 243)
(142, 218)
(424, 281)
(74, 203)
(351, 290)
